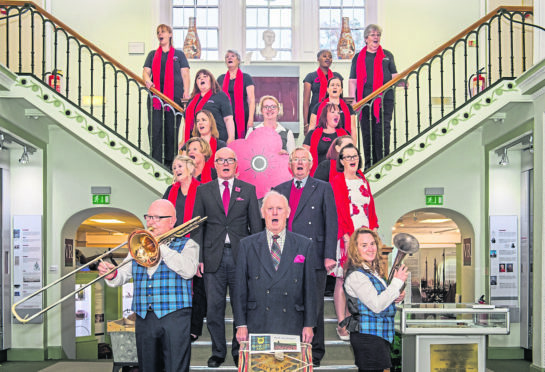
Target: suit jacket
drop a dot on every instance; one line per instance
(242, 220)
(270, 301)
(315, 218)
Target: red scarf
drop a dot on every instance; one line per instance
(323, 82)
(240, 117)
(192, 108)
(332, 169)
(378, 77)
(342, 202)
(210, 163)
(315, 140)
(168, 88)
(189, 200)
(344, 109)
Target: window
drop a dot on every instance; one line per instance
(206, 13)
(331, 13)
(263, 15)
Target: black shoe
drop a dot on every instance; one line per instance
(235, 360)
(315, 363)
(215, 362)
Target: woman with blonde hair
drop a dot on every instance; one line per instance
(371, 302)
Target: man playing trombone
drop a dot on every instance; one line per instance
(162, 295)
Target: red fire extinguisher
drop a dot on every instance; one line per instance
(477, 83)
(55, 80)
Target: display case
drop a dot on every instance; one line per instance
(441, 337)
(466, 319)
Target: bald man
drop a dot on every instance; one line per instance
(163, 314)
(233, 213)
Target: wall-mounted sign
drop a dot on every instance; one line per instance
(434, 199)
(101, 199)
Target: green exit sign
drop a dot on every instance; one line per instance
(434, 199)
(101, 199)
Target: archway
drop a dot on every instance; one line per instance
(91, 232)
(442, 270)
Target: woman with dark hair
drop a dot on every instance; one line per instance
(327, 169)
(371, 302)
(239, 87)
(371, 68)
(355, 208)
(334, 95)
(207, 95)
(167, 70)
(315, 84)
(319, 140)
(205, 128)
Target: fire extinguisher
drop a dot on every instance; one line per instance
(55, 80)
(476, 83)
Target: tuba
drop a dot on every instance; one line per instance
(405, 244)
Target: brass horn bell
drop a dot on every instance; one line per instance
(144, 248)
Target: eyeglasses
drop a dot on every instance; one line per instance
(270, 108)
(147, 217)
(350, 158)
(302, 160)
(226, 161)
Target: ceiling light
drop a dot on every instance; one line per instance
(504, 159)
(2, 138)
(24, 157)
(106, 220)
(435, 220)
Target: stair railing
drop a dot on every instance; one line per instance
(498, 46)
(34, 42)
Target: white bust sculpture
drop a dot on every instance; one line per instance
(268, 52)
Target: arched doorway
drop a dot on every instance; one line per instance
(91, 232)
(441, 271)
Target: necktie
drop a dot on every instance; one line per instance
(275, 252)
(226, 197)
(298, 184)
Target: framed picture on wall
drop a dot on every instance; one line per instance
(467, 251)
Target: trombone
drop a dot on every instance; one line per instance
(143, 247)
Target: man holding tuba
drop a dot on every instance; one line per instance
(162, 295)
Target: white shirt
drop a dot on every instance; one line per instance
(183, 263)
(281, 239)
(290, 143)
(360, 286)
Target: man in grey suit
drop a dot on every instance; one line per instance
(313, 214)
(233, 213)
(275, 291)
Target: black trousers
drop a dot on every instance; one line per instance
(162, 131)
(318, 343)
(164, 342)
(376, 135)
(216, 291)
(199, 306)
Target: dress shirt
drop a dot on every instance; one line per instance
(220, 182)
(281, 239)
(303, 181)
(184, 263)
(360, 286)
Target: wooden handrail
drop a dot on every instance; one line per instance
(438, 50)
(92, 46)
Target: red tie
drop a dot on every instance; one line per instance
(226, 197)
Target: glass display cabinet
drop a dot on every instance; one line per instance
(440, 337)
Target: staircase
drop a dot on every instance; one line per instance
(338, 355)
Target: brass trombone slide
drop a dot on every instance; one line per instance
(166, 237)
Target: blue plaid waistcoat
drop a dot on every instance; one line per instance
(164, 292)
(381, 324)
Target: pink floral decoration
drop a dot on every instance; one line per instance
(259, 160)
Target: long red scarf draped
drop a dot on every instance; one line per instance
(210, 163)
(240, 117)
(344, 109)
(378, 77)
(192, 108)
(323, 82)
(342, 202)
(314, 141)
(168, 87)
(332, 169)
(189, 200)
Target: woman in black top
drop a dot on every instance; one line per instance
(167, 70)
(240, 89)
